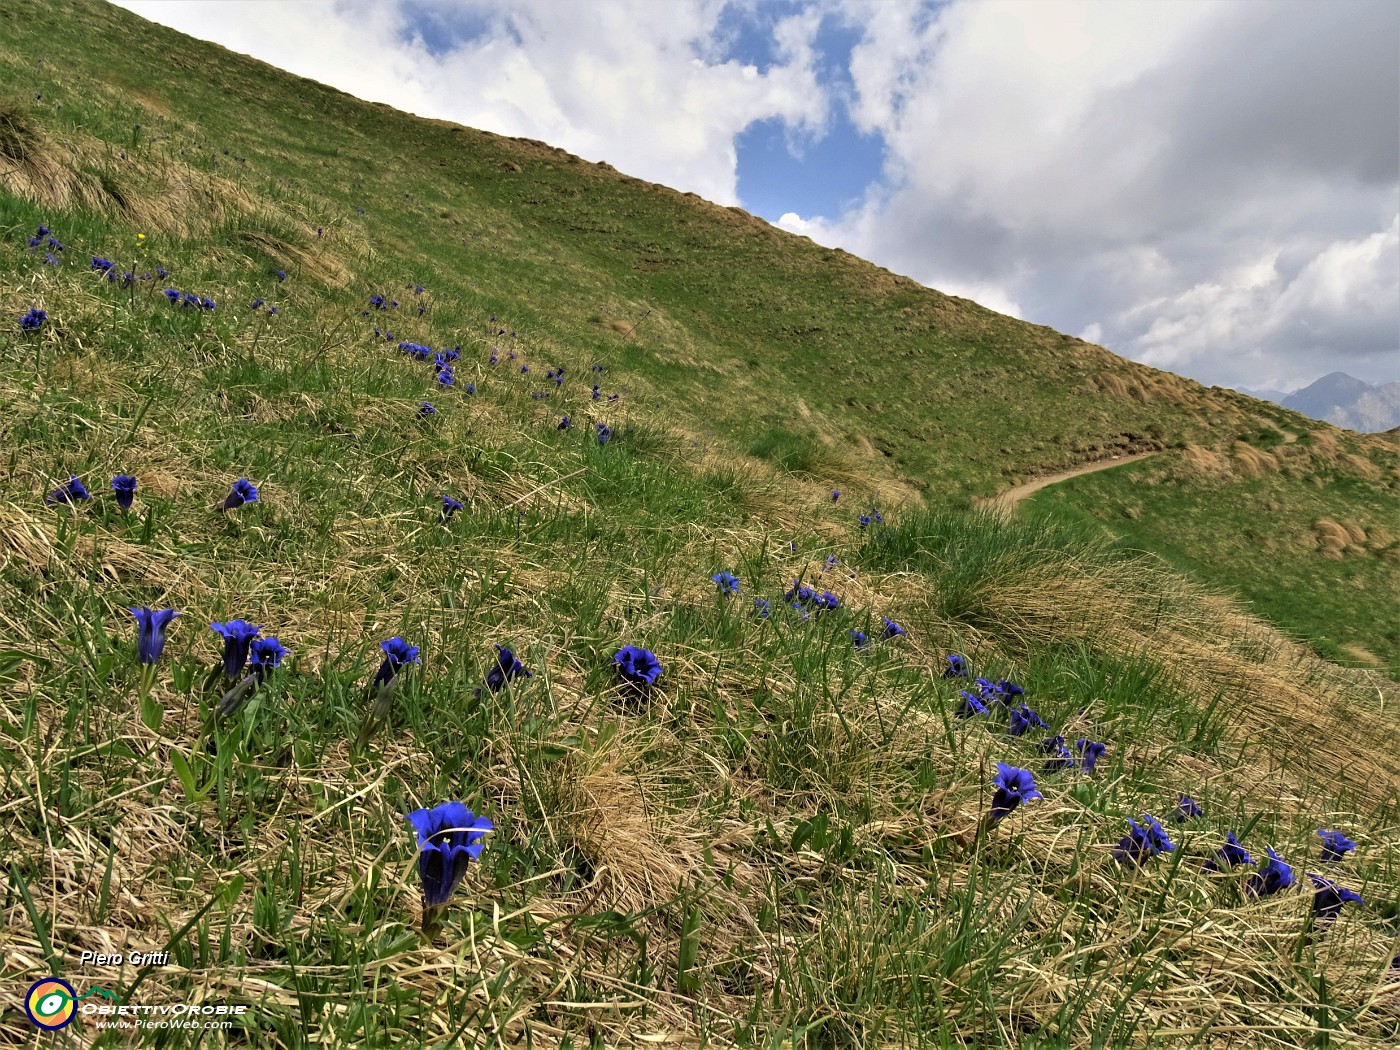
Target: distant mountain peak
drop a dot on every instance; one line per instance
(1348, 402)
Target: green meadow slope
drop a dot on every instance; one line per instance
(789, 839)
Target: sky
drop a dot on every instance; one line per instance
(1208, 186)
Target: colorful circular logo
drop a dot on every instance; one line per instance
(51, 1003)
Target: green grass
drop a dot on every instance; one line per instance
(1259, 536)
(779, 844)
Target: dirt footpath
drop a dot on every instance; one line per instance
(1006, 502)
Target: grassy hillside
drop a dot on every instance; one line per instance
(792, 837)
(1305, 531)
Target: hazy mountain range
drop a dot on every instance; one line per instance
(1342, 400)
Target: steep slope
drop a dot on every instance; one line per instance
(832, 369)
(792, 836)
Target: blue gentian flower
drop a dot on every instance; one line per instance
(493, 358)
(272, 311)
(1272, 877)
(835, 495)
(377, 301)
(523, 368)
(445, 376)
(206, 303)
(1009, 690)
(450, 506)
(761, 608)
(987, 689)
(397, 653)
(124, 485)
(238, 635)
(831, 562)
(162, 272)
(971, 705)
(1231, 854)
(613, 397)
(1013, 786)
(727, 582)
(878, 518)
(826, 601)
(266, 654)
(281, 276)
(417, 289)
(33, 320)
(439, 362)
(50, 259)
(559, 379)
(859, 638)
(800, 594)
(103, 265)
(453, 354)
(257, 301)
(42, 231)
(70, 492)
(1187, 809)
(150, 640)
(1089, 753)
(957, 666)
(425, 409)
(507, 668)
(243, 491)
(892, 629)
(604, 433)
(34, 242)
(596, 392)
(636, 665)
(1023, 719)
(1060, 757)
(173, 294)
(1144, 840)
(865, 521)
(1335, 845)
(449, 836)
(1329, 898)
(564, 423)
(470, 388)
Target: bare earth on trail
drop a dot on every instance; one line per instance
(1005, 502)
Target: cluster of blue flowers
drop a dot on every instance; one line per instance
(190, 301)
(123, 486)
(43, 238)
(33, 320)
(1146, 837)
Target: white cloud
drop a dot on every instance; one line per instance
(632, 83)
(1196, 185)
